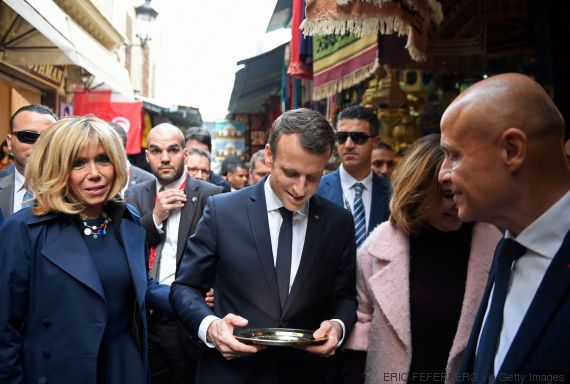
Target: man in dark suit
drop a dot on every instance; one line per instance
(280, 257)
(504, 157)
(356, 137)
(26, 125)
(170, 208)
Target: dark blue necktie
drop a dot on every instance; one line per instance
(483, 367)
(284, 249)
(359, 215)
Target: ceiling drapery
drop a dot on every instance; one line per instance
(368, 17)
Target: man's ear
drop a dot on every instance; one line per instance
(9, 141)
(513, 142)
(268, 156)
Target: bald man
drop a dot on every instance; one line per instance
(170, 208)
(504, 156)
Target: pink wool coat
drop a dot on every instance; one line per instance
(383, 327)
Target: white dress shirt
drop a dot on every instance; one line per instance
(300, 221)
(167, 270)
(19, 190)
(542, 239)
(346, 183)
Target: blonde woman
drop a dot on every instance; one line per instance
(420, 277)
(73, 277)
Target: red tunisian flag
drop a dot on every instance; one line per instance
(126, 114)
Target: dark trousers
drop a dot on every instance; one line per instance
(173, 354)
(346, 367)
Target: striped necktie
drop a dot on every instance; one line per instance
(359, 214)
(27, 200)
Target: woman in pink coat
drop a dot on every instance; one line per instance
(420, 277)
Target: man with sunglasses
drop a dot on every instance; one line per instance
(366, 195)
(356, 136)
(26, 125)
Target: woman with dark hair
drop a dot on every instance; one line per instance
(420, 277)
(73, 278)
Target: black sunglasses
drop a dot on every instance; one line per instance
(380, 163)
(27, 137)
(358, 138)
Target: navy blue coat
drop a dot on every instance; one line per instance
(232, 245)
(331, 189)
(52, 303)
(541, 347)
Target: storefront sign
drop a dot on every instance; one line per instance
(50, 73)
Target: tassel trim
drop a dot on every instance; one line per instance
(364, 27)
(333, 87)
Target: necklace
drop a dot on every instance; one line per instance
(95, 231)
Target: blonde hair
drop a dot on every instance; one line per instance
(416, 189)
(49, 167)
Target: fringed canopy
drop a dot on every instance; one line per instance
(368, 17)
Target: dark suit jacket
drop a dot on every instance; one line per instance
(52, 302)
(542, 344)
(7, 183)
(331, 189)
(139, 175)
(143, 195)
(216, 179)
(232, 245)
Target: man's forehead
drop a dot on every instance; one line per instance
(163, 142)
(195, 157)
(26, 118)
(346, 123)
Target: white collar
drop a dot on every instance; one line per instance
(174, 185)
(19, 180)
(347, 181)
(273, 203)
(546, 234)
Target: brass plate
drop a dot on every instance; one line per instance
(278, 337)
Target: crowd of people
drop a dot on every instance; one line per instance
(447, 263)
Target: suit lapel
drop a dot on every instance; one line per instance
(334, 187)
(552, 290)
(74, 258)
(133, 238)
(257, 212)
(187, 215)
(149, 196)
(310, 247)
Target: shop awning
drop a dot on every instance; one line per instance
(63, 41)
(281, 15)
(259, 79)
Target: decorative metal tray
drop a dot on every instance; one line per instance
(277, 336)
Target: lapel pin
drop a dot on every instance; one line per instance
(194, 199)
(317, 217)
